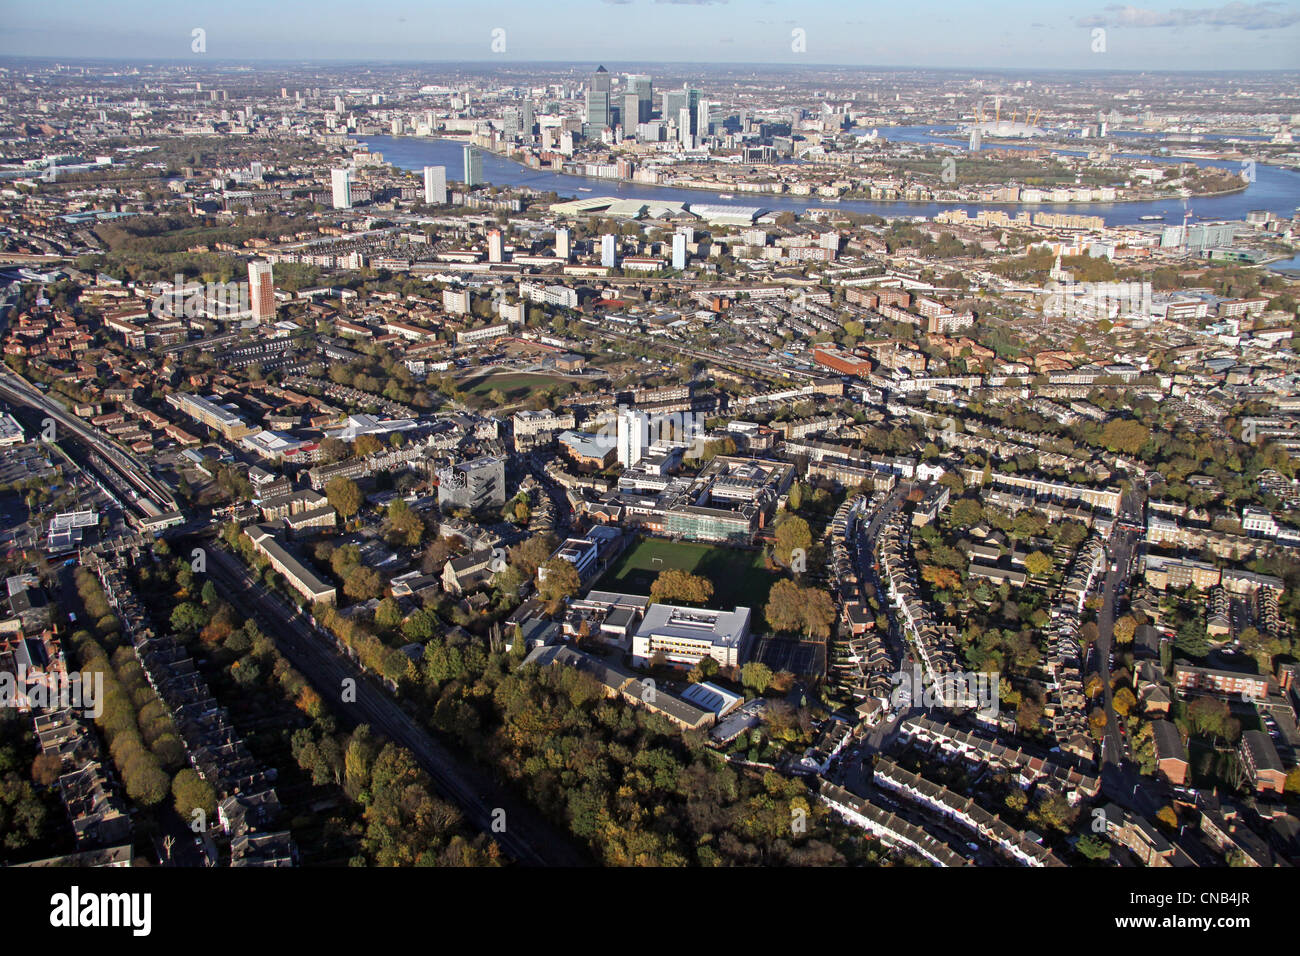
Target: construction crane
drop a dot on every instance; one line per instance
(997, 109)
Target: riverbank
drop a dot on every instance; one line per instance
(1276, 189)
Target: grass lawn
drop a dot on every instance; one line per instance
(739, 578)
(516, 386)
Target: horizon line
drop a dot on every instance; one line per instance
(250, 61)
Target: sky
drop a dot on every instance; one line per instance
(1031, 34)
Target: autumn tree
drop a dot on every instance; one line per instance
(1037, 564)
(344, 495)
(191, 792)
(674, 584)
(791, 534)
(1124, 628)
(559, 581)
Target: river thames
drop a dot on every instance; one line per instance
(1275, 189)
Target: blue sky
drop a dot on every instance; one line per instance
(970, 33)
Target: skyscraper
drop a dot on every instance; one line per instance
(511, 122)
(684, 127)
(435, 185)
(702, 118)
(496, 246)
(609, 252)
(473, 167)
(563, 244)
(679, 251)
(633, 436)
(598, 104)
(341, 182)
(261, 291)
(631, 110)
(641, 85)
(674, 101)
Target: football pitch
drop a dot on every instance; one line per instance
(738, 577)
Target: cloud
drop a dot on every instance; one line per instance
(1246, 16)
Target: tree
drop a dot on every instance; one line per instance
(436, 555)
(191, 792)
(967, 512)
(706, 668)
(1093, 847)
(792, 533)
(344, 495)
(188, 618)
(674, 584)
(1123, 702)
(1037, 564)
(46, 769)
(388, 616)
(363, 583)
(1123, 435)
(783, 610)
(941, 579)
(1124, 628)
(757, 676)
(560, 580)
(531, 554)
(792, 608)
(405, 526)
(366, 445)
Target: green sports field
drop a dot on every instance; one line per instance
(739, 578)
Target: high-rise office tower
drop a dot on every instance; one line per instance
(679, 251)
(496, 246)
(609, 252)
(702, 118)
(261, 291)
(341, 183)
(473, 167)
(631, 110)
(563, 244)
(674, 100)
(435, 185)
(684, 127)
(598, 103)
(641, 85)
(527, 118)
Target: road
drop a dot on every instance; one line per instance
(529, 839)
(1114, 748)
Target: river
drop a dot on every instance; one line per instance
(1274, 189)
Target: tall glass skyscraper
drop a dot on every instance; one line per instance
(473, 167)
(599, 108)
(640, 85)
